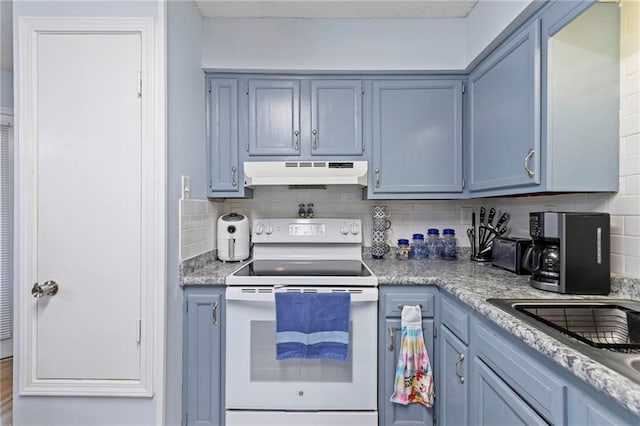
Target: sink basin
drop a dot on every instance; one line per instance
(605, 330)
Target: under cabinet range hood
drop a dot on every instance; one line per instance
(259, 173)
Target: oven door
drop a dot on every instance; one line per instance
(255, 380)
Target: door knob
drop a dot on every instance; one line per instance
(49, 288)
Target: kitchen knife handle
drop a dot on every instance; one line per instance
(527, 159)
(503, 219)
(492, 214)
(483, 212)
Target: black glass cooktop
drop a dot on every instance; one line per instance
(302, 268)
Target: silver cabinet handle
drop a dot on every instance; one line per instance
(214, 313)
(402, 305)
(390, 347)
(458, 362)
(377, 172)
(297, 134)
(527, 159)
(233, 176)
(49, 288)
(315, 139)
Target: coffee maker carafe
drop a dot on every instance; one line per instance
(570, 252)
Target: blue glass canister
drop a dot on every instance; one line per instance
(418, 250)
(449, 244)
(433, 244)
(403, 249)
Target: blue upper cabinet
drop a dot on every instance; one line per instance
(503, 144)
(336, 117)
(581, 96)
(225, 174)
(274, 117)
(417, 138)
(543, 107)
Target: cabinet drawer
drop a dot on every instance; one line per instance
(393, 303)
(537, 386)
(455, 319)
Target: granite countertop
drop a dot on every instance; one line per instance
(472, 283)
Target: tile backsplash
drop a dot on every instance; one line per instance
(197, 227)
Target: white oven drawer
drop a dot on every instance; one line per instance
(255, 380)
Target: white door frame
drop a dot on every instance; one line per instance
(153, 183)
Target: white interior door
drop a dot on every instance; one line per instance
(88, 205)
(89, 185)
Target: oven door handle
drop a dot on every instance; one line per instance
(266, 294)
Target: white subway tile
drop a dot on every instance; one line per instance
(630, 104)
(192, 236)
(632, 185)
(629, 85)
(617, 264)
(632, 266)
(630, 165)
(630, 125)
(632, 225)
(624, 205)
(631, 145)
(628, 246)
(617, 225)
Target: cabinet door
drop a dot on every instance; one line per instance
(453, 392)
(391, 414)
(203, 399)
(222, 129)
(504, 114)
(417, 136)
(495, 403)
(336, 117)
(274, 117)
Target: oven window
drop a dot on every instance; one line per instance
(266, 368)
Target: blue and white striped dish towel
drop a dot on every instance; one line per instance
(312, 325)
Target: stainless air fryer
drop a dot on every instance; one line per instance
(570, 252)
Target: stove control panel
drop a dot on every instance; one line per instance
(307, 231)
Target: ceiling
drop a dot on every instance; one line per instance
(358, 9)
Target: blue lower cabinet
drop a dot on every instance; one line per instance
(203, 391)
(453, 392)
(392, 414)
(392, 298)
(496, 403)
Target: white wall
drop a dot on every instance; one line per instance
(350, 44)
(6, 89)
(486, 20)
(334, 44)
(186, 147)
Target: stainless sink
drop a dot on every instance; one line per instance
(605, 330)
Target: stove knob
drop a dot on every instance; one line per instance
(268, 230)
(259, 229)
(344, 230)
(355, 229)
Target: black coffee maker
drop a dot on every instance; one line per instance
(570, 252)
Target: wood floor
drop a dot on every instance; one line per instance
(6, 392)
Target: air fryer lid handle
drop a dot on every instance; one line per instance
(233, 217)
